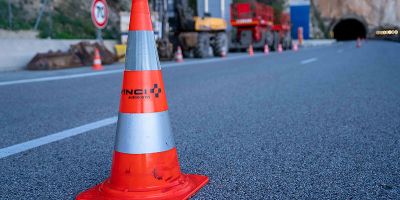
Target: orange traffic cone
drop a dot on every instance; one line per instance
(251, 50)
(295, 46)
(358, 43)
(97, 61)
(280, 48)
(223, 54)
(266, 49)
(178, 55)
(145, 161)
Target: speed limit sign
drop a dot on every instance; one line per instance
(100, 13)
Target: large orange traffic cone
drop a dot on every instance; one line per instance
(266, 49)
(178, 55)
(280, 48)
(358, 43)
(251, 50)
(145, 162)
(97, 65)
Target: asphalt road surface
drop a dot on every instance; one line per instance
(322, 123)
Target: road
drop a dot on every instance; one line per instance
(322, 123)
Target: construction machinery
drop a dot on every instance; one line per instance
(255, 23)
(200, 36)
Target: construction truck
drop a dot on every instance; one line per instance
(200, 37)
(254, 23)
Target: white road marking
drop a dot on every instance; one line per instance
(308, 61)
(340, 51)
(54, 78)
(18, 148)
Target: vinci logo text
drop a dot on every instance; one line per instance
(142, 93)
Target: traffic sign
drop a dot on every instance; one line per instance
(100, 13)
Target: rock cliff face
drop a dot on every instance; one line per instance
(372, 13)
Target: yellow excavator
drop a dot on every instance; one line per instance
(200, 37)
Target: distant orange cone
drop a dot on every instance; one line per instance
(223, 54)
(145, 162)
(97, 65)
(266, 49)
(295, 46)
(280, 48)
(179, 55)
(358, 43)
(251, 50)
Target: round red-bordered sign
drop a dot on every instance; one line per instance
(99, 13)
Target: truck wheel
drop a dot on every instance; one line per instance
(287, 42)
(203, 45)
(269, 39)
(221, 45)
(276, 42)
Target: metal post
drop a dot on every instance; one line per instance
(10, 15)
(223, 9)
(40, 14)
(100, 37)
(164, 18)
(50, 19)
(205, 6)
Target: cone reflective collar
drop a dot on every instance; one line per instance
(145, 161)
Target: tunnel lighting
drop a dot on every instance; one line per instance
(387, 32)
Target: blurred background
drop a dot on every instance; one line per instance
(69, 22)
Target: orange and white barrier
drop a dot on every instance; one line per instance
(145, 161)
(358, 43)
(266, 49)
(179, 55)
(251, 50)
(295, 46)
(300, 35)
(97, 64)
(280, 48)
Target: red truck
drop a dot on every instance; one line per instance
(254, 23)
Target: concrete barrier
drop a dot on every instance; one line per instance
(15, 54)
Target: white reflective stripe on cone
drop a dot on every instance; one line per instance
(141, 53)
(97, 62)
(144, 133)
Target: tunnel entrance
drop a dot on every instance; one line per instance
(349, 29)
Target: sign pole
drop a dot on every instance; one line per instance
(99, 36)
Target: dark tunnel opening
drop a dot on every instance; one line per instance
(349, 29)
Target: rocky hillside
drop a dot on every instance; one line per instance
(61, 19)
(373, 13)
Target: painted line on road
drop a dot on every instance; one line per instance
(18, 148)
(340, 51)
(53, 78)
(308, 61)
(72, 76)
